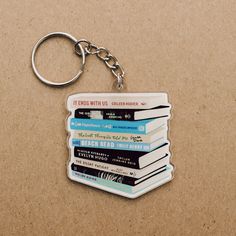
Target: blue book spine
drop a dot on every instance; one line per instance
(144, 147)
(107, 183)
(110, 184)
(135, 127)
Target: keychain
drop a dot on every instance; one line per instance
(117, 142)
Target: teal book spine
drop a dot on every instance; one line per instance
(104, 182)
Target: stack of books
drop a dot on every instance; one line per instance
(118, 142)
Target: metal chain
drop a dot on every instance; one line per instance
(104, 54)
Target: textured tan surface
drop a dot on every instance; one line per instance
(187, 48)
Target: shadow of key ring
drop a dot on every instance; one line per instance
(39, 43)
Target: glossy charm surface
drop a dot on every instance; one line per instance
(118, 141)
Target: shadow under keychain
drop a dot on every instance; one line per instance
(117, 142)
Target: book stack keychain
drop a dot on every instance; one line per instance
(117, 141)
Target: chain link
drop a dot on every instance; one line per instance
(104, 54)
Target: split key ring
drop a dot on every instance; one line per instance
(40, 42)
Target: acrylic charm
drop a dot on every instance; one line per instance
(118, 141)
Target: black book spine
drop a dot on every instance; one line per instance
(116, 157)
(112, 114)
(104, 175)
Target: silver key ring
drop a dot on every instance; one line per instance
(36, 47)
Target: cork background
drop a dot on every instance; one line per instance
(185, 48)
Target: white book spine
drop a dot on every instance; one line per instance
(120, 137)
(129, 101)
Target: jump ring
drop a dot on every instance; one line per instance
(79, 42)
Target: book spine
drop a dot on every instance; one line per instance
(106, 167)
(104, 175)
(122, 158)
(109, 101)
(144, 147)
(105, 114)
(110, 136)
(104, 182)
(115, 185)
(135, 173)
(135, 127)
